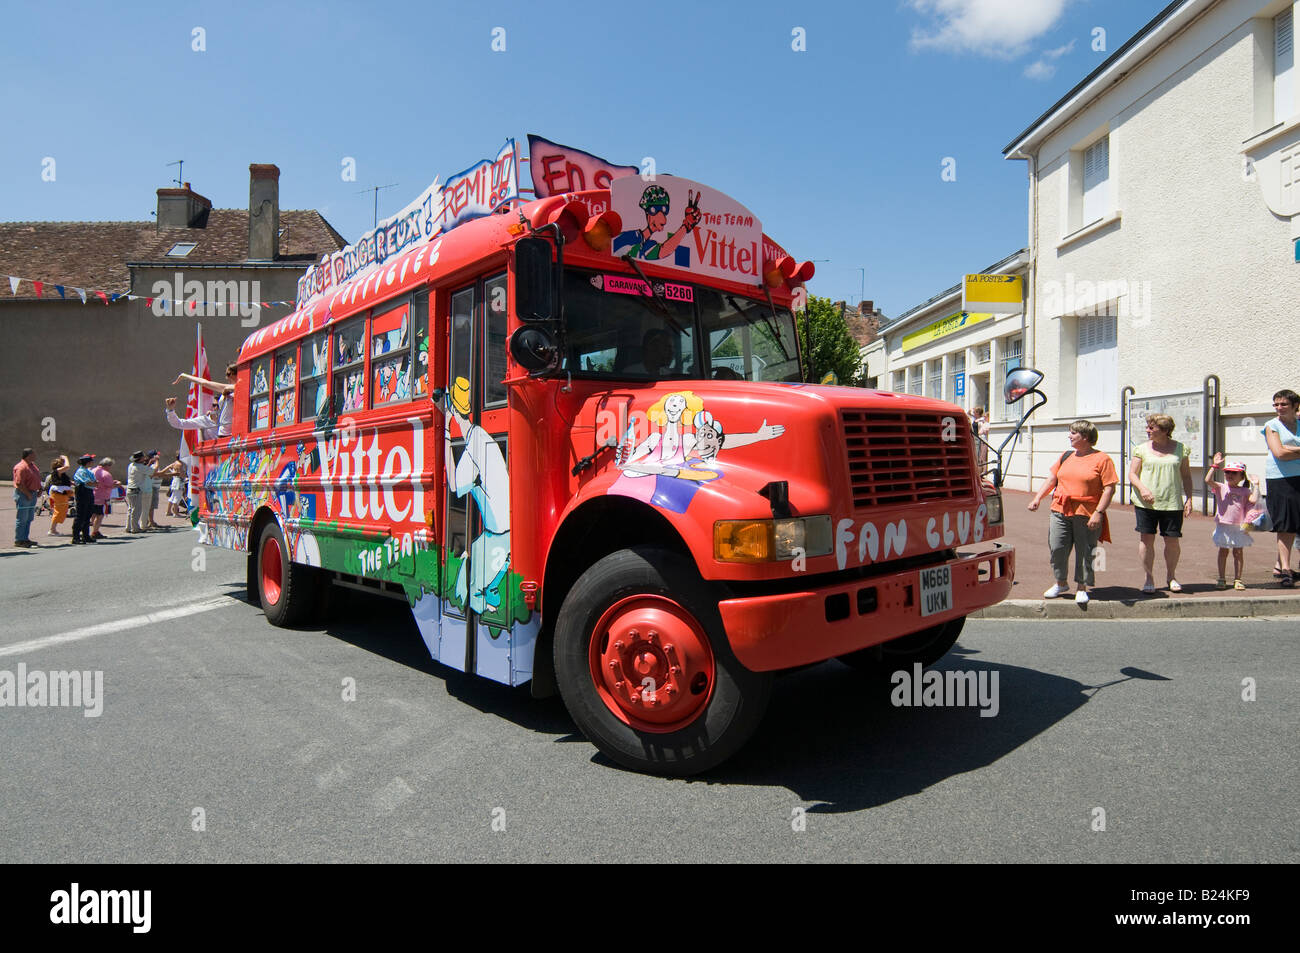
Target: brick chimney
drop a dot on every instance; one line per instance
(182, 208)
(263, 212)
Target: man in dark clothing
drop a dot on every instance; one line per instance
(84, 480)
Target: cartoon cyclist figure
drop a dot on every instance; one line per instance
(641, 243)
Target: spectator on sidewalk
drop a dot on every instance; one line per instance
(156, 477)
(979, 427)
(136, 477)
(1282, 480)
(1233, 497)
(86, 484)
(1082, 484)
(59, 486)
(1161, 476)
(104, 486)
(27, 490)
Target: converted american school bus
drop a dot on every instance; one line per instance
(575, 440)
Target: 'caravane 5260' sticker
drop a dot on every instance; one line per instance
(620, 284)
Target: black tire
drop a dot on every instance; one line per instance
(927, 647)
(737, 697)
(298, 583)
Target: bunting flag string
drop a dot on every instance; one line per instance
(191, 305)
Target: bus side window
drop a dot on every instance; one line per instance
(286, 381)
(350, 367)
(494, 351)
(462, 330)
(315, 366)
(259, 394)
(390, 355)
(420, 341)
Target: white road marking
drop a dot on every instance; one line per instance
(104, 628)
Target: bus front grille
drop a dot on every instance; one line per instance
(899, 457)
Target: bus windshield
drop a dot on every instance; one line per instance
(683, 332)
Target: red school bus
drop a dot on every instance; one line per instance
(580, 448)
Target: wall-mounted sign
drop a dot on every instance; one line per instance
(1188, 411)
(961, 385)
(998, 294)
(943, 327)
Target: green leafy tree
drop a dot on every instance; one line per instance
(833, 348)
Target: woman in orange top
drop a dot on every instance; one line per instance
(1082, 484)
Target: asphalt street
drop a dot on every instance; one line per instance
(209, 713)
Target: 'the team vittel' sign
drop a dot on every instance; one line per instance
(366, 472)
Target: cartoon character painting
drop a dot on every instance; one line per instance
(481, 474)
(668, 468)
(641, 243)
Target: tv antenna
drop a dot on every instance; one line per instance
(180, 172)
(376, 189)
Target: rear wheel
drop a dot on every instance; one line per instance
(286, 589)
(645, 670)
(927, 647)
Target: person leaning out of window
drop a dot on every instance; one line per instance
(1082, 484)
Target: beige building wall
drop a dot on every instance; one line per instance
(1191, 255)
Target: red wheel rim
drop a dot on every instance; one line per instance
(651, 663)
(272, 571)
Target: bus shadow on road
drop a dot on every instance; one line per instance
(834, 736)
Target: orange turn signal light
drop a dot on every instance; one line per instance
(743, 541)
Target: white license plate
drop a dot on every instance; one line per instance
(936, 590)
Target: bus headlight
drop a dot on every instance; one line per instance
(755, 541)
(994, 504)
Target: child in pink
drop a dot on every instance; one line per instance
(1233, 499)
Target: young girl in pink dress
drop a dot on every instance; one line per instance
(1233, 499)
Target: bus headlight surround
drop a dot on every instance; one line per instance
(756, 541)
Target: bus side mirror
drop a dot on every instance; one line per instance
(1020, 382)
(535, 350)
(534, 280)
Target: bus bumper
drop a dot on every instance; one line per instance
(800, 628)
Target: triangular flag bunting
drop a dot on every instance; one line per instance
(38, 285)
(59, 289)
(13, 284)
(148, 302)
(100, 294)
(82, 292)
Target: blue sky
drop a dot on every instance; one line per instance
(839, 148)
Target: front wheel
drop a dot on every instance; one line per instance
(927, 647)
(286, 589)
(644, 666)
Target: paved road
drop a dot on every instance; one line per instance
(207, 706)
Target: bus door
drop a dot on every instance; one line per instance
(480, 603)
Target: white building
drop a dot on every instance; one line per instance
(1164, 213)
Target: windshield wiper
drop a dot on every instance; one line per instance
(659, 307)
(771, 328)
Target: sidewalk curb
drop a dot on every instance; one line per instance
(1143, 608)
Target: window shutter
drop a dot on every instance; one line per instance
(1283, 66)
(1097, 367)
(1096, 172)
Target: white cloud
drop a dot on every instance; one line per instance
(998, 28)
(1041, 69)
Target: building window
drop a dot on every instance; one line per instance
(934, 387)
(915, 379)
(181, 249)
(1097, 366)
(900, 382)
(1283, 65)
(983, 353)
(957, 378)
(1012, 352)
(1096, 180)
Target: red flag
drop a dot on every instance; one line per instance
(198, 404)
(100, 294)
(38, 285)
